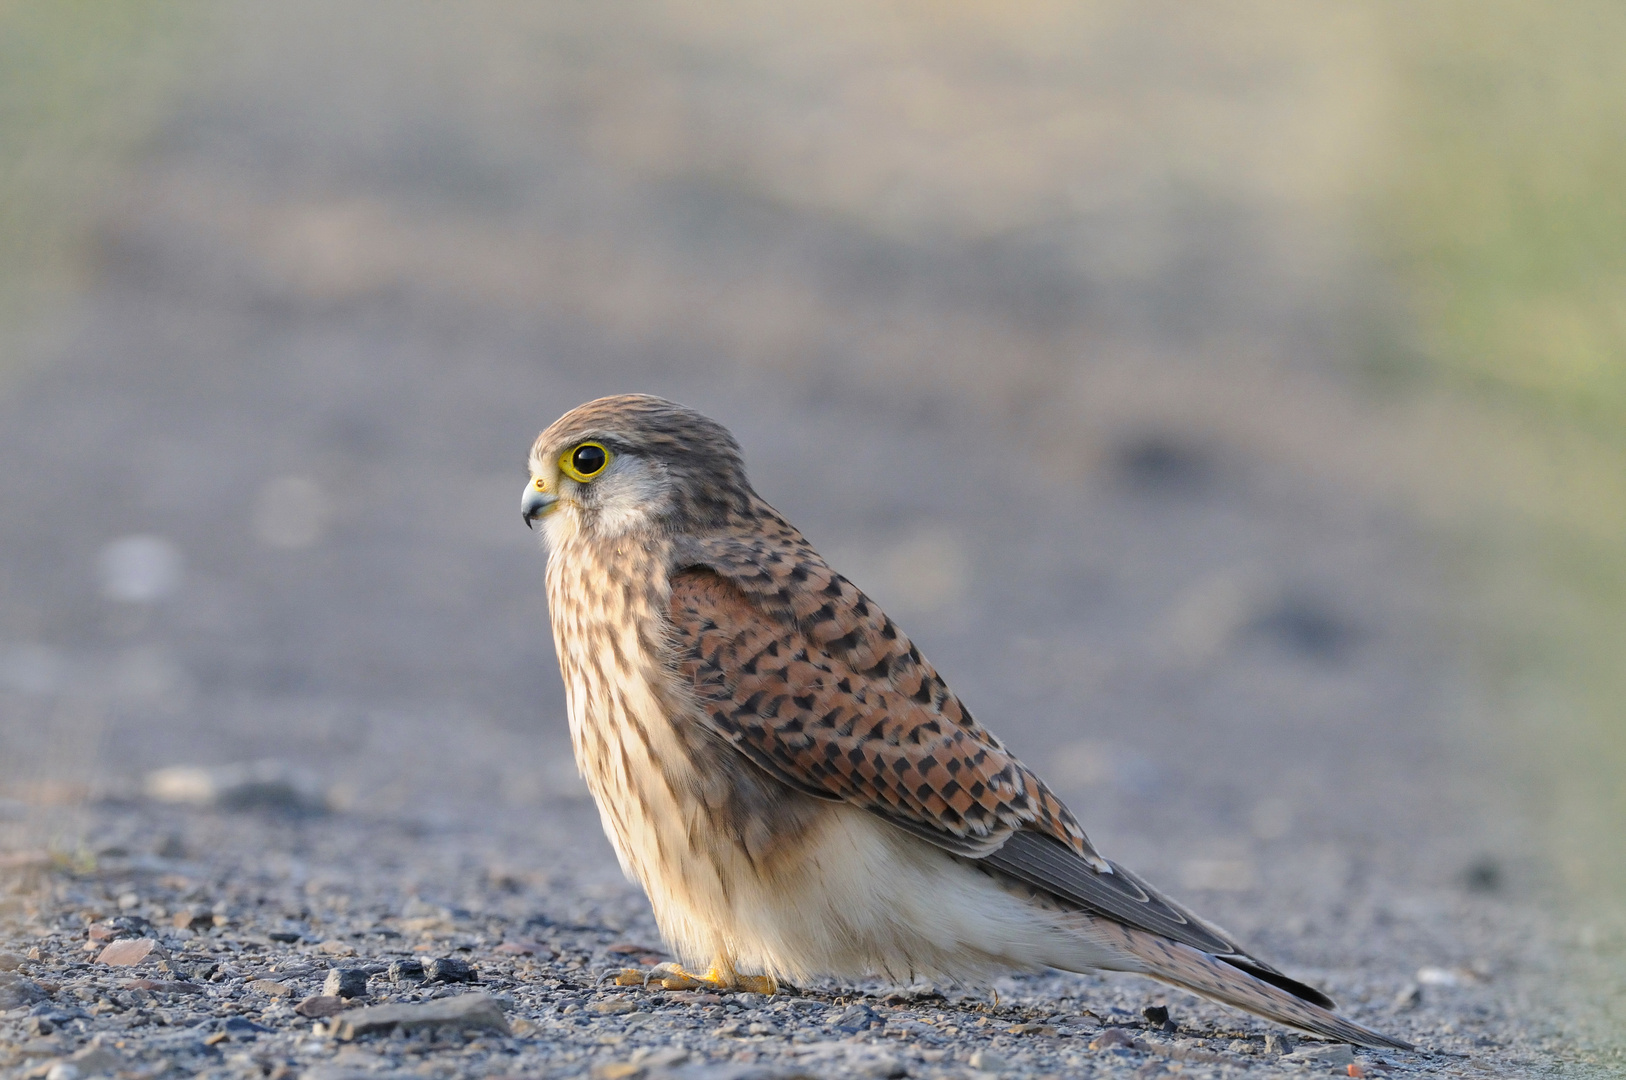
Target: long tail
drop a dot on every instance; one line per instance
(1211, 977)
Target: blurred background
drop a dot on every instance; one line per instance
(1231, 400)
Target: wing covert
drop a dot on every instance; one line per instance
(827, 695)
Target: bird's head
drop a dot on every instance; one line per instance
(629, 464)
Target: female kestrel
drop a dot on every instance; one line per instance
(794, 786)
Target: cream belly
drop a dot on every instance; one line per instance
(857, 896)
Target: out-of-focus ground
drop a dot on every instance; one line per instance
(1227, 400)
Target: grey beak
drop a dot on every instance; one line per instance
(534, 504)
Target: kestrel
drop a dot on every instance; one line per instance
(795, 787)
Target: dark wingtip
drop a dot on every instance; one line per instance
(1281, 982)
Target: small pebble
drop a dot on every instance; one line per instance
(407, 970)
(271, 988)
(130, 951)
(1337, 1056)
(1112, 1037)
(1276, 1043)
(449, 970)
(345, 983)
(988, 1061)
(613, 1006)
(857, 1018)
(1158, 1017)
(318, 1006)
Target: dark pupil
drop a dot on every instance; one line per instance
(588, 459)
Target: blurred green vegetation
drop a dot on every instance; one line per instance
(1507, 226)
(81, 82)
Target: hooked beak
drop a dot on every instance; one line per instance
(535, 503)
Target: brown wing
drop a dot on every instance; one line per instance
(801, 672)
(816, 685)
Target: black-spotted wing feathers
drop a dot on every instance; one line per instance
(809, 679)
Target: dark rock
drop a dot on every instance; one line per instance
(1308, 627)
(1483, 875)
(345, 983)
(287, 937)
(407, 970)
(467, 1012)
(1158, 1017)
(17, 991)
(240, 1027)
(449, 969)
(1163, 464)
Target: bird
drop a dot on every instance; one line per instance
(795, 787)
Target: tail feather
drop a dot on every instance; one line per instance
(1211, 977)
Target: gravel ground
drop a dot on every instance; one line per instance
(241, 944)
(258, 525)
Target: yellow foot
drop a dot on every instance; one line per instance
(673, 977)
(757, 984)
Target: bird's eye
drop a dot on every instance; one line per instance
(585, 461)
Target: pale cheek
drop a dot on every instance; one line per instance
(560, 527)
(629, 507)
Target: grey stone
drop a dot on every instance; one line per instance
(1276, 1043)
(17, 991)
(318, 1006)
(407, 970)
(857, 1018)
(466, 1012)
(613, 1006)
(240, 1027)
(345, 983)
(988, 1061)
(1336, 1056)
(449, 970)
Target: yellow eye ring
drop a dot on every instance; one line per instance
(584, 461)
